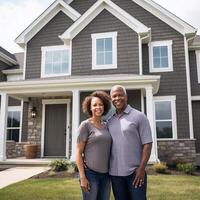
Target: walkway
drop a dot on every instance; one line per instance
(16, 174)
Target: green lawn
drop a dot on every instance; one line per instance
(162, 187)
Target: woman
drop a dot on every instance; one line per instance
(93, 148)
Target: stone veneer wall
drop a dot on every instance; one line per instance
(14, 149)
(35, 124)
(171, 151)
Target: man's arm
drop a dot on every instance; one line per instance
(140, 171)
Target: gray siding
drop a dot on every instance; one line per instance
(127, 47)
(81, 6)
(2, 67)
(47, 36)
(196, 120)
(13, 102)
(195, 86)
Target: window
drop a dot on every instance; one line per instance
(55, 61)
(198, 64)
(165, 117)
(161, 56)
(104, 50)
(14, 123)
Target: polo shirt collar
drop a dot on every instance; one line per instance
(126, 111)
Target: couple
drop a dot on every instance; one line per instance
(117, 150)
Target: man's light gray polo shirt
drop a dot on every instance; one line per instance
(129, 131)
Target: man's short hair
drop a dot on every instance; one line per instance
(118, 87)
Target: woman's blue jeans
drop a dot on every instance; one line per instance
(99, 186)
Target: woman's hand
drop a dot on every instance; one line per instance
(85, 185)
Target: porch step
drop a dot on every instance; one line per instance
(9, 163)
(197, 161)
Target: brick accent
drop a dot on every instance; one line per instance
(177, 150)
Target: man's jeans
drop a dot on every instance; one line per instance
(124, 190)
(99, 186)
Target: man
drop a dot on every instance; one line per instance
(131, 148)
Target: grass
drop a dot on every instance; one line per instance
(160, 187)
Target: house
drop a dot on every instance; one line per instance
(75, 47)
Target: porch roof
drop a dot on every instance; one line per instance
(81, 83)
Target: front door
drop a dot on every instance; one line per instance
(55, 130)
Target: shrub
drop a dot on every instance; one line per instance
(173, 163)
(72, 167)
(59, 165)
(187, 168)
(160, 167)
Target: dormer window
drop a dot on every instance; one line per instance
(55, 61)
(104, 50)
(160, 56)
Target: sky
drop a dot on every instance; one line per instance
(16, 15)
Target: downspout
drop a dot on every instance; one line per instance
(186, 40)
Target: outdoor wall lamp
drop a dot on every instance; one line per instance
(33, 112)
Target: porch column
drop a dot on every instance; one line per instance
(75, 120)
(3, 125)
(150, 116)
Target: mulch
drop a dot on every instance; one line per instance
(66, 174)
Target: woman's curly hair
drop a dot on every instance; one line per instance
(105, 98)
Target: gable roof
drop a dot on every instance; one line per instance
(97, 8)
(163, 14)
(168, 17)
(44, 18)
(7, 57)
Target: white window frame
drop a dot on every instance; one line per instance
(172, 99)
(96, 36)
(16, 109)
(54, 48)
(167, 43)
(198, 64)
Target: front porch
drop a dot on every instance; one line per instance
(48, 96)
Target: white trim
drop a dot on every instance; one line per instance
(50, 102)
(94, 10)
(140, 55)
(14, 77)
(54, 48)
(82, 83)
(163, 14)
(172, 100)
(167, 17)
(96, 36)
(6, 59)
(44, 18)
(17, 109)
(12, 71)
(188, 88)
(167, 43)
(149, 111)
(75, 120)
(24, 67)
(21, 120)
(13, 74)
(195, 98)
(3, 125)
(198, 64)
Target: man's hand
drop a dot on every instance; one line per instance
(85, 185)
(139, 177)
